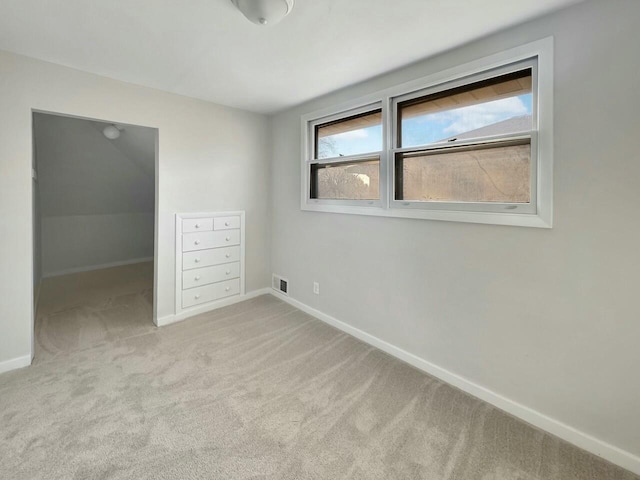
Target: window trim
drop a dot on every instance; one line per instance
(513, 207)
(541, 144)
(311, 154)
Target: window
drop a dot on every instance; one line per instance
(470, 144)
(467, 144)
(347, 180)
(350, 136)
(477, 173)
(345, 164)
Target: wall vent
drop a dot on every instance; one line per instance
(280, 284)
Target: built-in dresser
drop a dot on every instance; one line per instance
(209, 259)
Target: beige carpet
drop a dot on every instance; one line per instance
(257, 390)
(93, 308)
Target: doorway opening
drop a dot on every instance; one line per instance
(94, 232)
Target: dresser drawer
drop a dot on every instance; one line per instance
(213, 256)
(208, 293)
(226, 223)
(227, 289)
(201, 240)
(197, 225)
(196, 296)
(207, 275)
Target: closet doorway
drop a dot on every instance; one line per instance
(94, 232)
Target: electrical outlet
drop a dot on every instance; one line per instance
(316, 288)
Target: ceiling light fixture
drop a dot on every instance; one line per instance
(264, 12)
(112, 131)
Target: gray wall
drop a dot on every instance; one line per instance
(211, 158)
(546, 318)
(97, 194)
(37, 244)
(85, 242)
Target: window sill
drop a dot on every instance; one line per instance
(491, 218)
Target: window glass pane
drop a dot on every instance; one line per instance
(497, 106)
(347, 180)
(350, 136)
(489, 174)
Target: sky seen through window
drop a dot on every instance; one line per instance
(430, 128)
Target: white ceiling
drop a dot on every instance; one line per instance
(207, 49)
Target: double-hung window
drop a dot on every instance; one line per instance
(467, 144)
(345, 157)
(472, 144)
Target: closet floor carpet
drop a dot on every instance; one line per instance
(89, 309)
(256, 390)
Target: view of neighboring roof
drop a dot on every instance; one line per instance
(510, 125)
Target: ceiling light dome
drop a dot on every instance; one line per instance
(111, 131)
(264, 12)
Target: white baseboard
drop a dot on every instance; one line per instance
(97, 267)
(169, 319)
(14, 363)
(580, 439)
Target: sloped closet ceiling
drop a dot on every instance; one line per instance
(96, 195)
(81, 172)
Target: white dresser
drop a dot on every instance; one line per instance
(209, 260)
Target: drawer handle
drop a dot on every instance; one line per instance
(228, 238)
(226, 224)
(197, 260)
(197, 242)
(227, 255)
(227, 289)
(228, 272)
(197, 225)
(197, 296)
(197, 278)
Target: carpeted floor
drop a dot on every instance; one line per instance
(257, 390)
(93, 308)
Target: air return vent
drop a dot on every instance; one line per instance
(280, 284)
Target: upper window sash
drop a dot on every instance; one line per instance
(398, 100)
(313, 126)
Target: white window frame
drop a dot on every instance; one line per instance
(527, 208)
(311, 160)
(537, 214)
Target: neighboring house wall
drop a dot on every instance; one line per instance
(546, 318)
(211, 158)
(97, 194)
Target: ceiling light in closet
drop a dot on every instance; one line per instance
(112, 131)
(264, 12)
